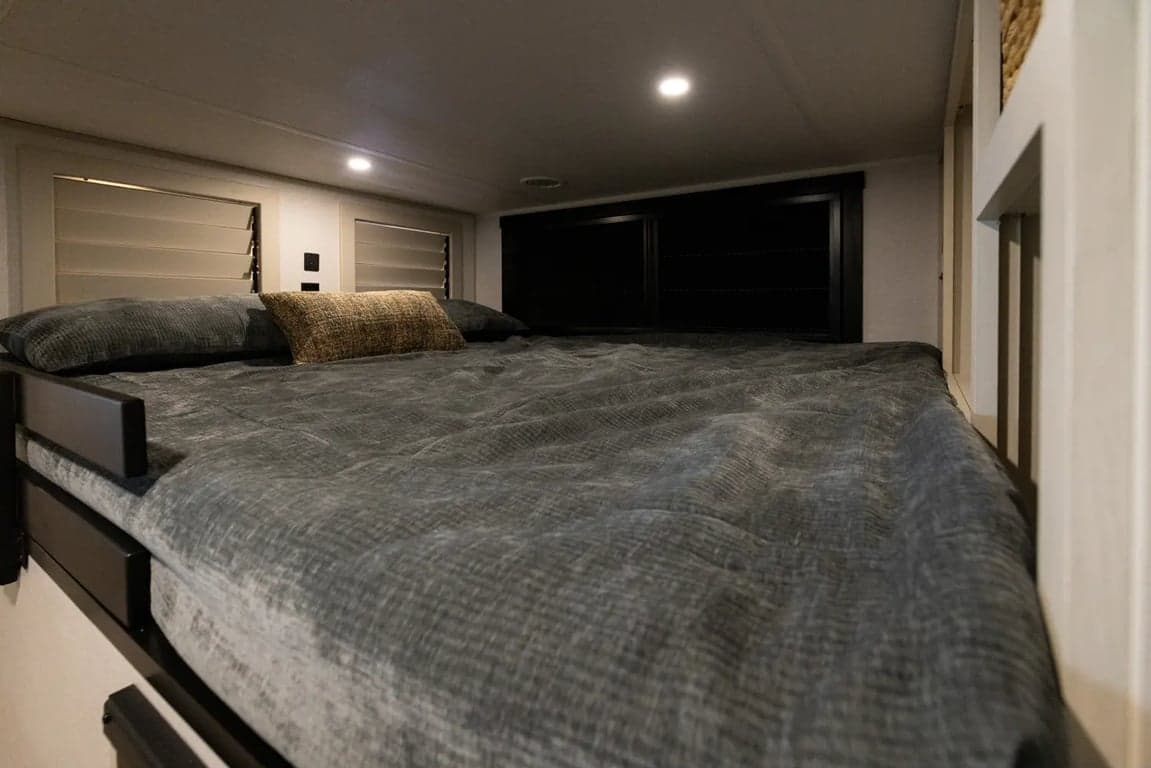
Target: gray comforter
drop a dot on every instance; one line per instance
(593, 552)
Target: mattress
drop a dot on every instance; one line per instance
(622, 551)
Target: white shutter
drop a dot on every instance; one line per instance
(114, 240)
(393, 257)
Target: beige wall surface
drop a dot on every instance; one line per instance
(901, 247)
(56, 671)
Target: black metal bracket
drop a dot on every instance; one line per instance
(13, 542)
(141, 737)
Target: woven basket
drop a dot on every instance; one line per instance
(1018, 20)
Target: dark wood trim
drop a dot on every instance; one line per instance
(141, 737)
(651, 269)
(589, 330)
(851, 215)
(835, 309)
(729, 196)
(102, 427)
(111, 565)
(12, 552)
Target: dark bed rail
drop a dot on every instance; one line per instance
(104, 571)
(12, 546)
(102, 427)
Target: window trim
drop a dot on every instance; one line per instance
(460, 228)
(38, 171)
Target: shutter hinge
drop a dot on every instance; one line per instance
(254, 247)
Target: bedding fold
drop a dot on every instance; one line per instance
(621, 551)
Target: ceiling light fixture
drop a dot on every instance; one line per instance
(674, 87)
(541, 182)
(359, 164)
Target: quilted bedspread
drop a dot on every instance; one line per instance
(617, 551)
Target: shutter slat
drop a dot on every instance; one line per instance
(81, 287)
(382, 255)
(387, 275)
(393, 258)
(117, 260)
(382, 234)
(115, 241)
(113, 229)
(148, 204)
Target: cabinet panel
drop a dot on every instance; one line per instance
(783, 258)
(588, 273)
(763, 266)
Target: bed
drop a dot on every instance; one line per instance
(712, 549)
(662, 549)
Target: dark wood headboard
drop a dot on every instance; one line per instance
(785, 258)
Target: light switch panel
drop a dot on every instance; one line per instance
(311, 262)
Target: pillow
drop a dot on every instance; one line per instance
(142, 334)
(334, 326)
(479, 323)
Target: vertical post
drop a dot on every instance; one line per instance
(1029, 342)
(1010, 338)
(12, 552)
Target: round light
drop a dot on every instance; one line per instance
(674, 87)
(541, 182)
(359, 164)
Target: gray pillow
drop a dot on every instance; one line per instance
(142, 334)
(479, 323)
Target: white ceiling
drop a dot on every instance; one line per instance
(456, 100)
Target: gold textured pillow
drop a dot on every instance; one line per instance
(333, 326)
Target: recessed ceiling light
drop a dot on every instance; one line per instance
(541, 182)
(360, 164)
(674, 87)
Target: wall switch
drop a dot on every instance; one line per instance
(311, 262)
(309, 286)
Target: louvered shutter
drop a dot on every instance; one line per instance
(115, 240)
(390, 257)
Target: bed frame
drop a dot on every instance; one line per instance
(105, 572)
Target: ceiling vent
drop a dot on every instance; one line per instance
(541, 182)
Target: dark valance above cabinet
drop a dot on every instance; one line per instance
(785, 258)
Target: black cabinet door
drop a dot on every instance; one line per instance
(784, 258)
(582, 274)
(769, 265)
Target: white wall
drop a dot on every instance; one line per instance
(309, 218)
(489, 265)
(58, 670)
(1083, 90)
(309, 223)
(901, 247)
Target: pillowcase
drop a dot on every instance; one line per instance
(479, 323)
(334, 326)
(142, 334)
